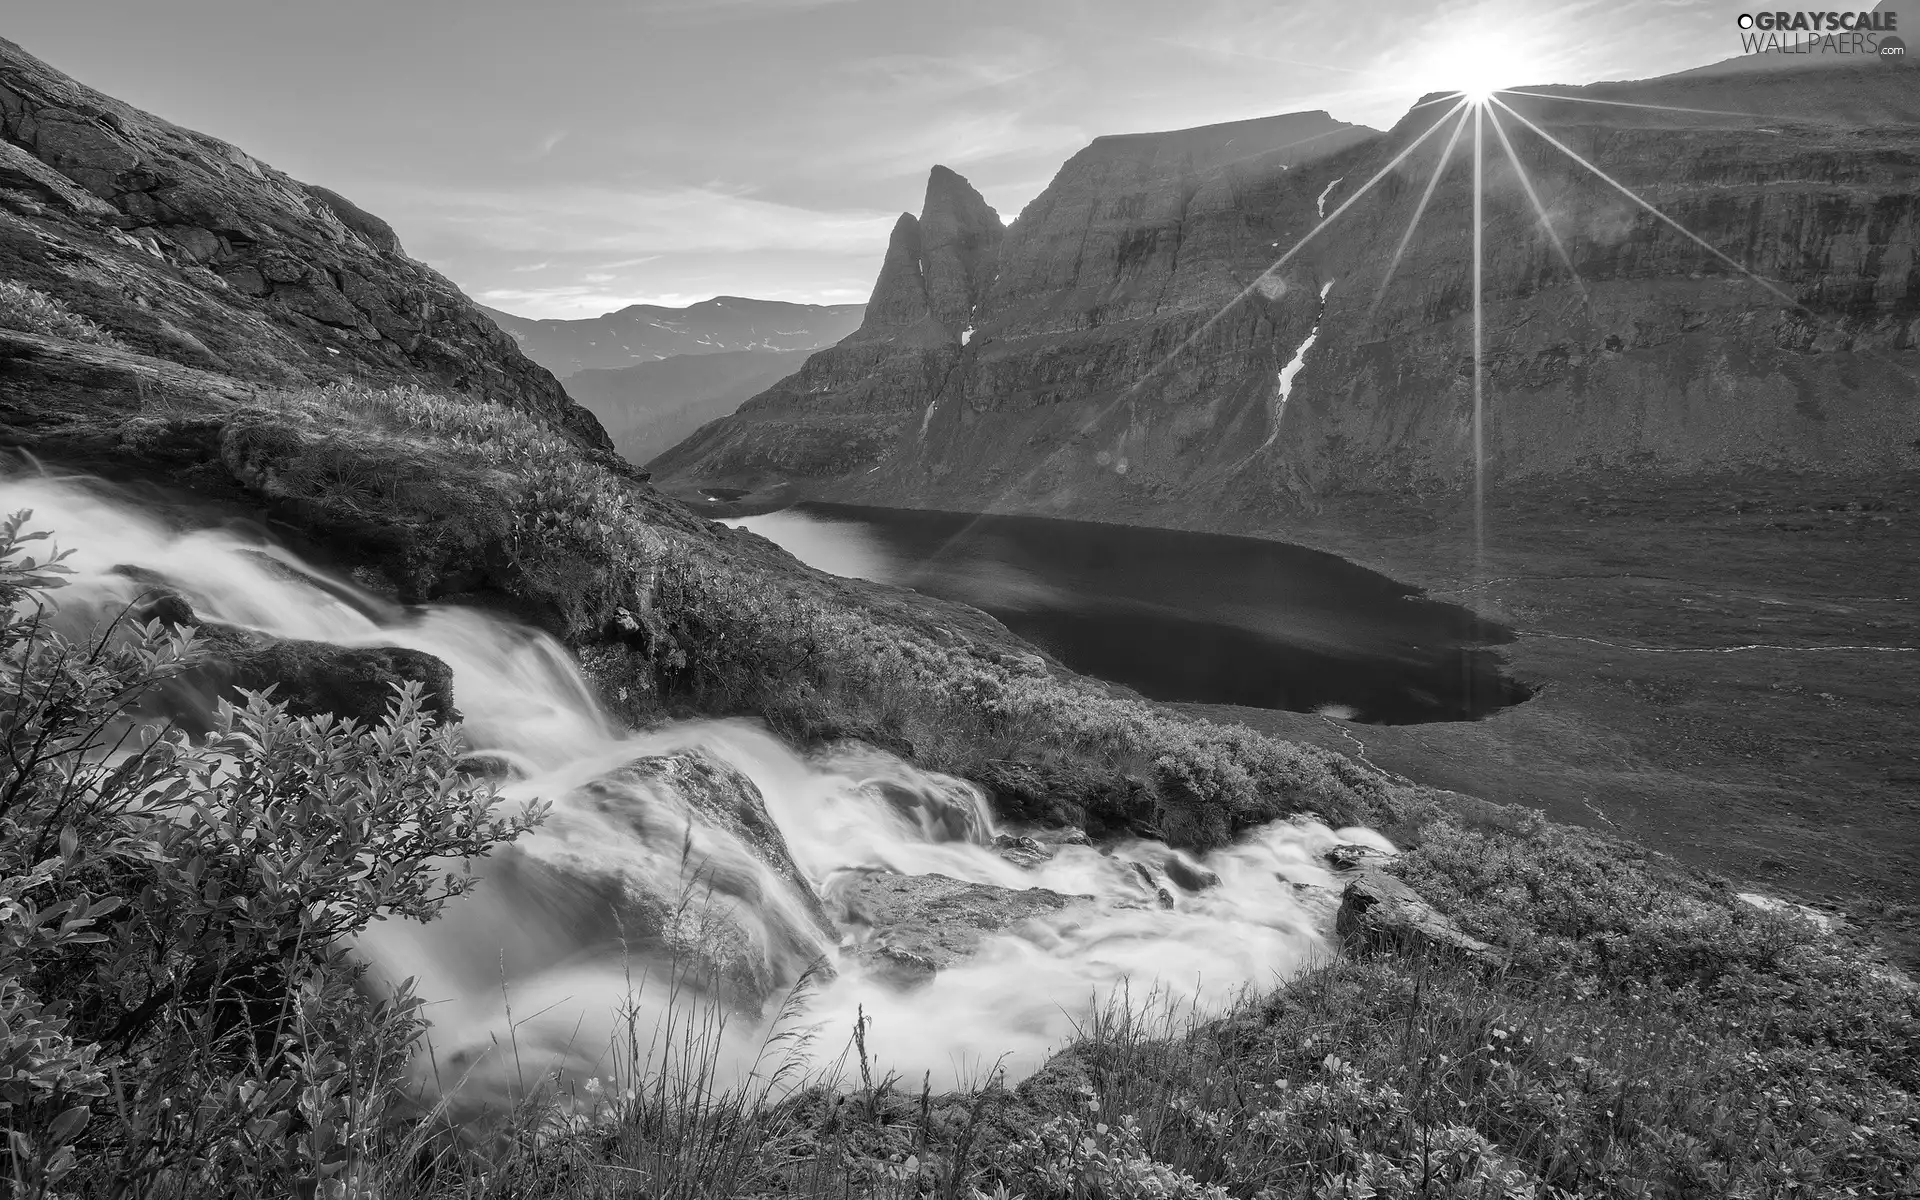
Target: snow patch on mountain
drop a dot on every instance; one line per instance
(1284, 385)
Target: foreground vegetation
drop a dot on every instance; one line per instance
(178, 1017)
(677, 615)
(30, 310)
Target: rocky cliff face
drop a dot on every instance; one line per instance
(851, 403)
(1135, 354)
(188, 250)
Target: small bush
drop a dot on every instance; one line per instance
(31, 310)
(180, 1017)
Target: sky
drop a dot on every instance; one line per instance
(564, 158)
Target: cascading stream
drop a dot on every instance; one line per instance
(659, 851)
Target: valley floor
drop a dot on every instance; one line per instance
(1729, 673)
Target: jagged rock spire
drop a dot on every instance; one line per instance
(937, 267)
(959, 238)
(899, 306)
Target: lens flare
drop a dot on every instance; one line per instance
(1481, 56)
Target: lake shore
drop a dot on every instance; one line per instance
(1725, 668)
(1791, 770)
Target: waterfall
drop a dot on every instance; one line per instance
(656, 846)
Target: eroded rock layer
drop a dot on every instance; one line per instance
(1137, 352)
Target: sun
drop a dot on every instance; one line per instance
(1477, 60)
(1484, 65)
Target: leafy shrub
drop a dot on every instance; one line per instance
(31, 310)
(1075, 1155)
(180, 1015)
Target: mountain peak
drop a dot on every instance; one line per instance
(959, 236)
(938, 266)
(899, 308)
(646, 333)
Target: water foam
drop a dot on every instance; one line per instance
(540, 934)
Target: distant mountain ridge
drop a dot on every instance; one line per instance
(649, 332)
(1080, 277)
(649, 407)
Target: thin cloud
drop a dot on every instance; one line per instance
(713, 12)
(639, 223)
(961, 139)
(999, 59)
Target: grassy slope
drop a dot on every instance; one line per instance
(429, 497)
(1789, 764)
(1651, 1037)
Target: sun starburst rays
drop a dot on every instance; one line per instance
(1480, 105)
(1479, 346)
(1433, 184)
(1392, 165)
(1533, 197)
(1672, 108)
(1269, 277)
(1634, 196)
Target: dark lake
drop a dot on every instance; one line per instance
(1180, 616)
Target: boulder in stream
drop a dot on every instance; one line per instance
(918, 925)
(309, 677)
(671, 861)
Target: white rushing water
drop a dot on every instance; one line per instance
(542, 933)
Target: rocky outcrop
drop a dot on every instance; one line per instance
(670, 861)
(353, 683)
(189, 250)
(728, 800)
(852, 402)
(1378, 914)
(311, 678)
(899, 310)
(1134, 353)
(937, 268)
(914, 926)
(959, 244)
